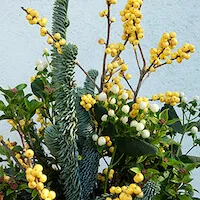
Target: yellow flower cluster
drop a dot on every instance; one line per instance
(103, 13)
(87, 101)
(126, 192)
(183, 53)
(113, 49)
(33, 18)
(169, 97)
(57, 41)
(131, 16)
(106, 172)
(141, 103)
(168, 42)
(36, 179)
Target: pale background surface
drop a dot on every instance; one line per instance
(21, 43)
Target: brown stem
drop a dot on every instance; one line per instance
(136, 57)
(141, 52)
(12, 154)
(129, 84)
(105, 54)
(88, 76)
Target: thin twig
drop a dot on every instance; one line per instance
(129, 84)
(190, 149)
(12, 155)
(141, 52)
(88, 76)
(107, 43)
(136, 57)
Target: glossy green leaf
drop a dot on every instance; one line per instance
(164, 115)
(21, 86)
(37, 87)
(136, 170)
(134, 148)
(34, 194)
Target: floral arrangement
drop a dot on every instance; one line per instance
(65, 129)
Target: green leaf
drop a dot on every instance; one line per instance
(9, 191)
(22, 187)
(190, 159)
(2, 106)
(171, 192)
(184, 197)
(21, 87)
(164, 115)
(99, 111)
(134, 148)
(152, 171)
(37, 87)
(172, 121)
(17, 148)
(1, 171)
(177, 126)
(34, 194)
(136, 170)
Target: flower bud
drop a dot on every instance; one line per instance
(95, 137)
(194, 130)
(145, 133)
(139, 126)
(124, 95)
(124, 120)
(143, 105)
(133, 123)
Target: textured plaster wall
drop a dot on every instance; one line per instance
(21, 45)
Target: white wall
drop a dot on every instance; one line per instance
(21, 44)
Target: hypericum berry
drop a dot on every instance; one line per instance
(112, 101)
(115, 89)
(43, 178)
(138, 178)
(104, 118)
(32, 185)
(102, 96)
(101, 141)
(62, 42)
(139, 126)
(124, 119)
(196, 98)
(143, 105)
(57, 36)
(101, 41)
(50, 40)
(125, 109)
(124, 95)
(40, 186)
(154, 108)
(145, 134)
(43, 21)
(95, 137)
(194, 130)
(184, 99)
(128, 76)
(140, 195)
(29, 153)
(133, 123)
(111, 113)
(51, 195)
(44, 193)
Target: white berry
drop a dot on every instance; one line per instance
(101, 141)
(111, 113)
(104, 118)
(143, 105)
(125, 109)
(196, 98)
(184, 99)
(145, 133)
(154, 108)
(113, 101)
(45, 64)
(38, 62)
(143, 121)
(102, 96)
(139, 126)
(124, 120)
(133, 123)
(182, 94)
(95, 137)
(124, 95)
(40, 67)
(115, 89)
(194, 130)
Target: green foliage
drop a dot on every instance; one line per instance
(60, 21)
